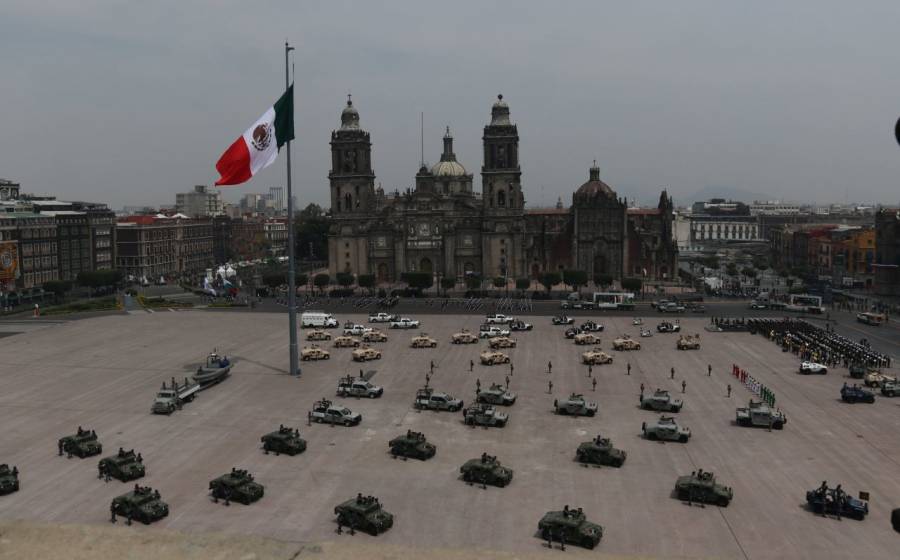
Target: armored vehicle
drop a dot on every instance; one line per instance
(486, 470)
(464, 337)
(702, 487)
(364, 513)
(666, 429)
(9, 479)
(600, 451)
(813, 367)
(855, 394)
(285, 440)
(374, 336)
(583, 339)
(423, 341)
(490, 331)
(496, 394)
(688, 342)
(502, 342)
(571, 525)
(591, 326)
(82, 444)
(858, 370)
(575, 405)
(324, 411)
(666, 326)
(563, 320)
(492, 357)
(405, 323)
(877, 379)
(486, 415)
(382, 317)
(429, 399)
(890, 389)
(236, 486)
(314, 352)
(834, 501)
(350, 386)
(366, 353)
(124, 466)
(346, 342)
(412, 445)
(356, 330)
(626, 343)
(318, 335)
(519, 325)
(596, 357)
(172, 398)
(661, 401)
(760, 414)
(141, 504)
(895, 519)
(215, 370)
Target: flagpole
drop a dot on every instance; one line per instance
(292, 275)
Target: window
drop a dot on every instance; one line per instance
(501, 198)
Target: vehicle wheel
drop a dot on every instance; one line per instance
(318, 419)
(683, 439)
(723, 502)
(327, 356)
(590, 412)
(588, 543)
(651, 436)
(467, 477)
(778, 425)
(304, 358)
(348, 423)
(545, 534)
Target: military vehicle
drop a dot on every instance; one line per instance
(492, 357)
(496, 394)
(702, 487)
(877, 379)
(124, 466)
(502, 342)
(350, 386)
(571, 332)
(9, 479)
(570, 525)
(382, 317)
(498, 319)
(661, 401)
(890, 389)
(563, 320)
(895, 519)
(236, 486)
(600, 451)
(314, 352)
(172, 398)
(486, 470)
(596, 357)
(855, 394)
(584, 338)
(519, 325)
(374, 336)
(591, 326)
(490, 331)
(688, 342)
(858, 370)
(141, 504)
(318, 335)
(666, 429)
(666, 326)
(429, 399)
(405, 323)
(286, 440)
(365, 353)
(82, 444)
(364, 513)
(813, 367)
(575, 405)
(760, 414)
(835, 501)
(480, 414)
(346, 342)
(215, 370)
(412, 445)
(423, 341)
(464, 337)
(356, 329)
(626, 343)
(324, 411)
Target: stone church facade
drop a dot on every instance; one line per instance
(446, 228)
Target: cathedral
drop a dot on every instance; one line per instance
(445, 228)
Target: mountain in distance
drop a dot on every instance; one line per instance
(728, 193)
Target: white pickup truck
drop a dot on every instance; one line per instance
(405, 323)
(171, 398)
(498, 319)
(382, 317)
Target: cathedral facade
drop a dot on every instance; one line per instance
(445, 228)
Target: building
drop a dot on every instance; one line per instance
(707, 230)
(276, 234)
(32, 238)
(276, 195)
(201, 202)
(154, 247)
(445, 228)
(247, 239)
(774, 208)
(887, 252)
(9, 190)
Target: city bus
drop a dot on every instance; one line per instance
(870, 318)
(805, 303)
(613, 300)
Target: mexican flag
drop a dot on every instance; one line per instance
(257, 148)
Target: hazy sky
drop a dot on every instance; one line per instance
(129, 102)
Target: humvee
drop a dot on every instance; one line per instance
(585, 338)
(366, 353)
(596, 357)
(141, 504)
(236, 486)
(662, 401)
(364, 513)
(626, 343)
(890, 389)
(346, 342)
(413, 445)
(486, 470)
(575, 405)
(314, 353)
(318, 334)
(285, 440)
(9, 479)
(760, 414)
(429, 399)
(855, 394)
(480, 414)
(600, 451)
(496, 394)
(502, 342)
(666, 428)
(571, 525)
(82, 444)
(688, 342)
(702, 487)
(423, 341)
(464, 337)
(124, 466)
(490, 358)
(374, 336)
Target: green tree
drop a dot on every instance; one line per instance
(523, 284)
(300, 279)
(311, 233)
(749, 272)
(710, 261)
(632, 284)
(418, 280)
(499, 282)
(575, 278)
(473, 282)
(57, 287)
(448, 283)
(366, 281)
(550, 279)
(321, 280)
(344, 279)
(603, 280)
(731, 269)
(274, 279)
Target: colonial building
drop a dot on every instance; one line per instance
(151, 247)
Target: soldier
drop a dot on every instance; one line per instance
(427, 379)
(729, 390)
(549, 367)
(629, 369)
(511, 368)
(478, 384)
(683, 385)
(709, 370)
(59, 444)
(507, 382)
(432, 366)
(471, 365)
(642, 389)
(550, 387)
(672, 373)
(594, 384)
(590, 370)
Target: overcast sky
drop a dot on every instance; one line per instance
(131, 102)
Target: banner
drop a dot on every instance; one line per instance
(9, 260)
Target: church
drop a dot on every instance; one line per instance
(444, 227)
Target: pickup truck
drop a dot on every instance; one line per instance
(498, 319)
(356, 330)
(324, 411)
(490, 331)
(171, 398)
(405, 323)
(429, 399)
(357, 387)
(382, 318)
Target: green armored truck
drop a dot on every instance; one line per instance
(413, 445)
(141, 504)
(702, 487)
(571, 526)
(364, 513)
(486, 470)
(9, 479)
(124, 466)
(236, 486)
(82, 443)
(600, 451)
(286, 440)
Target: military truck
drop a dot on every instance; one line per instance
(626, 343)
(142, 504)
(502, 342)
(855, 394)
(412, 445)
(364, 513)
(760, 414)
(82, 444)
(493, 357)
(314, 352)
(236, 486)
(429, 399)
(324, 411)
(171, 398)
(486, 470)
(600, 451)
(480, 414)
(346, 341)
(318, 334)
(666, 428)
(596, 357)
(834, 501)
(464, 337)
(688, 342)
(350, 386)
(124, 466)
(661, 401)
(890, 389)
(858, 370)
(365, 353)
(374, 336)
(422, 341)
(571, 526)
(586, 338)
(575, 405)
(877, 379)
(702, 487)
(9, 479)
(286, 440)
(496, 394)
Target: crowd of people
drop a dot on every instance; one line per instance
(812, 343)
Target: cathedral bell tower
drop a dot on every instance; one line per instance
(351, 177)
(501, 174)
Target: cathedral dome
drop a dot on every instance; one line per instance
(500, 112)
(349, 116)
(448, 166)
(594, 186)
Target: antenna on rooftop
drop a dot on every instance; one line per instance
(422, 138)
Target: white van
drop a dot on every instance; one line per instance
(317, 319)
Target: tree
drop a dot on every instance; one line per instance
(300, 279)
(749, 272)
(575, 278)
(731, 269)
(57, 287)
(523, 284)
(311, 233)
(321, 280)
(499, 282)
(710, 261)
(366, 281)
(550, 279)
(274, 279)
(448, 283)
(473, 282)
(99, 278)
(344, 279)
(418, 280)
(603, 280)
(632, 284)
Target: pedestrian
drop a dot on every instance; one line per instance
(507, 382)
(629, 369)
(642, 389)
(590, 370)
(427, 379)
(549, 386)
(594, 384)
(549, 367)
(683, 385)
(511, 368)
(432, 366)
(672, 373)
(729, 390)
(471, 365)
(478, 384)
(709, 370)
